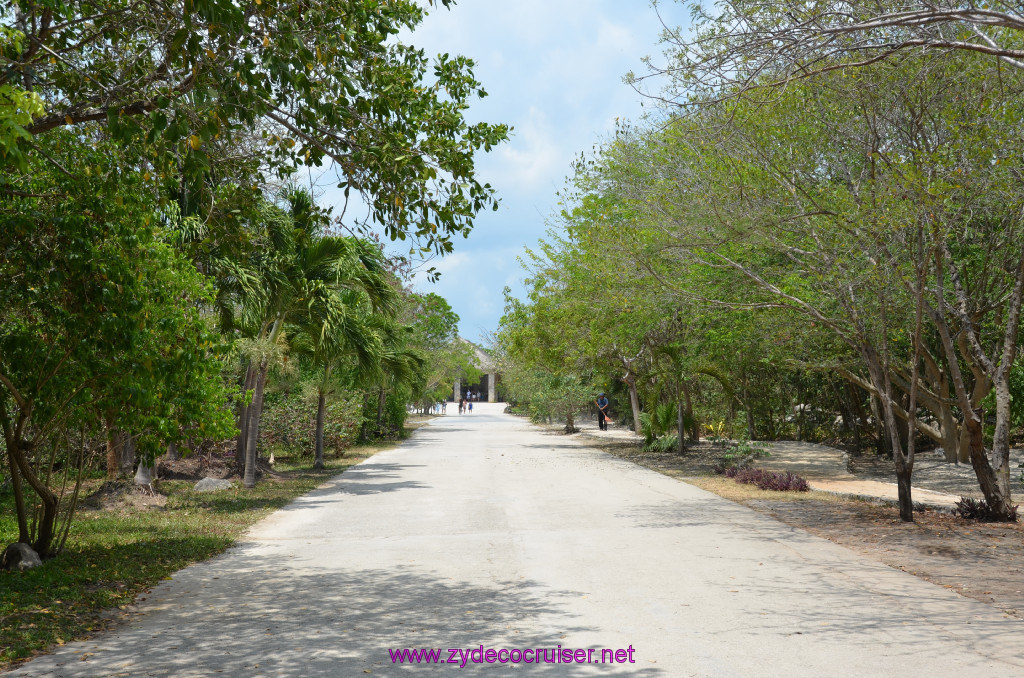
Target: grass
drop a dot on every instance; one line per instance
(115, 553)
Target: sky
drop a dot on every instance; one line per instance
(553, 70)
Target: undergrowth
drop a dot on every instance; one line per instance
(979, 510)
(767, 480)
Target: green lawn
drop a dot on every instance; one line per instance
(114, 554)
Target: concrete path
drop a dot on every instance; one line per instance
(483, 531)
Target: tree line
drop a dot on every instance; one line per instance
(818, 234)
(162, 266)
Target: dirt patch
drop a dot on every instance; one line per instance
(978, 560)
(196, 467)
(113, 495)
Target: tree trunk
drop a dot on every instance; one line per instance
(963, 454)
(680, 425)
(751, 433)
(996, 493)
(904, 462)
(126, 456)
(859, 418)
(988, 374)
(845, 410)
(694, 432)
(321, 406)
(113, 455)
(382, 399)
(144, 474)
(244, 412)
(172, 452)
(47, 520)
(1001, 445)
(799, 410)
(634, 401)
(906, 502)
(19, 497)
(570, 421)
(950, 435)
(948, 427)
(1001, 385)
(883, 446)
(249, 478)
(978, 393)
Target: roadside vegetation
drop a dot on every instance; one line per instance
(817, 236)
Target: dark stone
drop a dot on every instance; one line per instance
(19, 556)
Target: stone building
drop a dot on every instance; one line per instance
(488, 387)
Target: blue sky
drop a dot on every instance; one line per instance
(553, 70)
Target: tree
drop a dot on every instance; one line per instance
(18, 106)
(320, 82)
(342, 325)
(435, 338)
(302, 276)
(859, 202)
(745, 45)
(116, 310)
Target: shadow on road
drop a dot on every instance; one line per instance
(254, 616)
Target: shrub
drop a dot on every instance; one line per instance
(978, 509)
(743, 453)
(288, 424)
(655, 424)
(666, 443)
(767, 480)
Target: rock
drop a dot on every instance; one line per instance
(212, 485)
(19, 556)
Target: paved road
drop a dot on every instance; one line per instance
(484, 531)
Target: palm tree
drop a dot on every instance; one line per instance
(305, 280)
(342, 328)
(400, 364)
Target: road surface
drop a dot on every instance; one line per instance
(484, 533)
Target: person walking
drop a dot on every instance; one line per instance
(602, 412)
(470, 407)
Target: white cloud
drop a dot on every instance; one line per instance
(450, 265)
(531, 159)
(553, 69)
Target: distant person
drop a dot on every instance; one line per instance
(602, 412)
(444, 407)
(462, 405)
(471, 407)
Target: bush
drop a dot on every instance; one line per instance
(767, 480)
(288, 424)
(743, 453)
(666, 443)
(978, 509)
(387, 422)
(657, 423)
